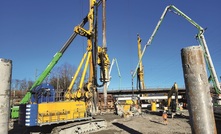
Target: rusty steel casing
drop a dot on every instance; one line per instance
(5, 88)
(200, 104)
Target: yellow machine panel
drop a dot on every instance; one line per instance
(130, 102)
(61, 111)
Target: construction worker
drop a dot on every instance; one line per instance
(164, 115)
(165, 122)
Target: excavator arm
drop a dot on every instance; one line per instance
(173, 90)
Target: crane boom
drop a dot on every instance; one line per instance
(200, 37)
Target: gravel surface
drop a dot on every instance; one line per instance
(148, 123)
(145, 124)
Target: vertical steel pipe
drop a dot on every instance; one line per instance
(104, 23)
(5, 89)
(104, 46)
(197, 89)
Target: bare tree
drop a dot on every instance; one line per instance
(23, 85)
(30, 83)
(61, 76)
(20, 87)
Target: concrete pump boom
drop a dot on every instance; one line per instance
(200, 38)
(118, 69)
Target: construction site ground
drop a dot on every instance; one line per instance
(146, 123)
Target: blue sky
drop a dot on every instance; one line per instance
(33, 31)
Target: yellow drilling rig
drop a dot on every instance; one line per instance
(76, 112)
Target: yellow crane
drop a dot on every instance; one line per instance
(140, 71)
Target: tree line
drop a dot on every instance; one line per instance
(60, 77)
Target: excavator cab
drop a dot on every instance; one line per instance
(173, 106)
